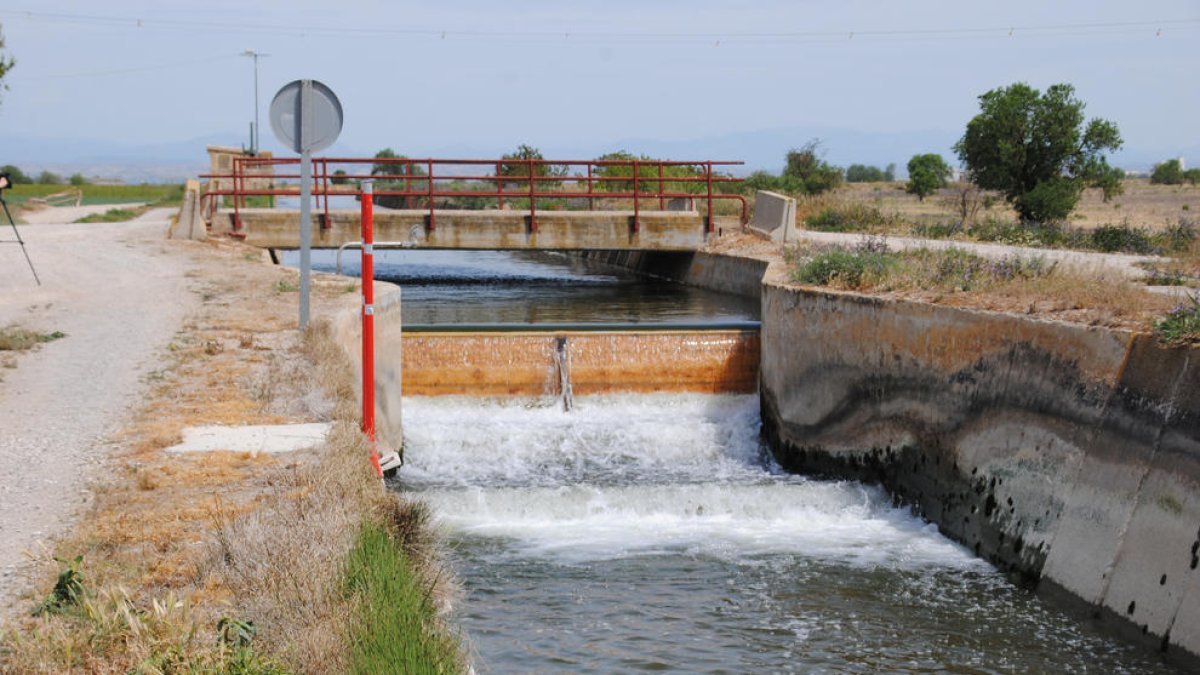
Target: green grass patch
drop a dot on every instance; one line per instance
(17, 339)
(102, 194)
(117, 215)
(394, 630)
(870, 265)
(1182, 324)
(286, 286)
(1113, 238)
(851, 218)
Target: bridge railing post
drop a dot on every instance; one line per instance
(591, 199)
(532, 200)
(661, 204)
(499, 188)
(709, 216)
(636, 212)
(429, 190)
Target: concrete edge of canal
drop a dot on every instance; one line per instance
(1065, 454)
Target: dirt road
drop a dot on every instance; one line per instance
(119, 297)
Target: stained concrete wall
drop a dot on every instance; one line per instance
(713, 271)
(601, 362)
(483, 230)
(1067, 454)
(346, 329)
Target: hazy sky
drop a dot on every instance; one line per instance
(562, 73)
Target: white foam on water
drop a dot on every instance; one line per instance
(644, 475)
(657, 437)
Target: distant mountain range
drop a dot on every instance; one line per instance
(765, 149)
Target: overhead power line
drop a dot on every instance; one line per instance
(1145, 27)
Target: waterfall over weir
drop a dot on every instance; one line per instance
(652, 531)
(646, 527)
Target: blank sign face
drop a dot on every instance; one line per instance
(315, 132)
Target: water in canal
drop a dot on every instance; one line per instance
(653, 532)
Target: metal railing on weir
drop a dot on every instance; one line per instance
(458, 184)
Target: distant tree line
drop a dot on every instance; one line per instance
(1171, 172)
(19, 177)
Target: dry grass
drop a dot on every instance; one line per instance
(173, 543)
(958, 278)
(1142, 204)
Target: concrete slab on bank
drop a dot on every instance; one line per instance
(255, 439)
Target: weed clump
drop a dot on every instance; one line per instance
(17, 339)
(1182, 324)
(851, 218)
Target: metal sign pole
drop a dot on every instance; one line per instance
(306, 116)
(305, 233)
(306, 139)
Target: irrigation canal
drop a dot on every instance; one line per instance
(653, 531)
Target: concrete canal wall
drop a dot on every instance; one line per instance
(1067, 454)
(346, 330)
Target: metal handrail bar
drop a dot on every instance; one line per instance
(643, 185)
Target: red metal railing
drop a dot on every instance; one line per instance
(570, 183)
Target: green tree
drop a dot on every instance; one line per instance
(405, 176)
(6, 64)
(1169, 172)
(861, 173)
(48, 178)
(808, 173)
(648, 175)
(926, 173)
(77, 180)
(521, 168)
(1036, 151)
(889, 174)
(15, 175)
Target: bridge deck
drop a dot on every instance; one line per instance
(484, 229)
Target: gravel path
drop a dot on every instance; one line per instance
(119, 297)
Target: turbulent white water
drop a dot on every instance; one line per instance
(638, 475)
(652, 532)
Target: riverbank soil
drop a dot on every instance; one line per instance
(216, 560)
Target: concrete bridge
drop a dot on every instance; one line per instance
(495, 204)
(491, 229)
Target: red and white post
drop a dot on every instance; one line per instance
(368, 320)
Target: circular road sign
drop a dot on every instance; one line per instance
(306, 116)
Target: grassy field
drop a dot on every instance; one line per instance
(1142, 204)
(100, 194)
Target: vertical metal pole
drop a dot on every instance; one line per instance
(305, 198)
(499, 188)
(661, 206)
(532, 201)
(254, 139)
(709, 228)
(591, 200)
(635, 197)
(368, 320)
(429, 191)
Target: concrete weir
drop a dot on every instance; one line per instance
(541, 362)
